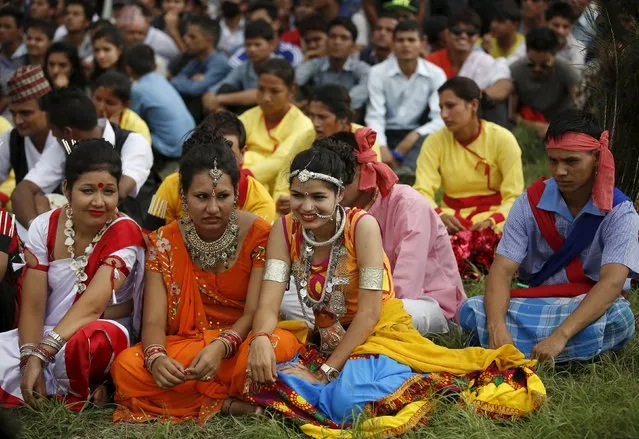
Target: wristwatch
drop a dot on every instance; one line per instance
(330, 372)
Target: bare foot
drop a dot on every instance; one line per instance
(237, 407)
(100, 396)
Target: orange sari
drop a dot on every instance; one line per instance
(200, 306)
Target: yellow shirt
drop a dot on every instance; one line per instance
(496, 162)
(496, 52)
(282, 163)
(166, 202)
(262, 144)
(7, 186)
(132, 122)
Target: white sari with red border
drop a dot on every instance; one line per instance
(86, 359)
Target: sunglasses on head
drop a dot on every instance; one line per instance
(457, 31)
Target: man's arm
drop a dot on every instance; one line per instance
(376, 109)
(370, 10)
(23, 201)
(500, 90)
(304, 72)
(359, 92)
(246, 97)
(497, 298)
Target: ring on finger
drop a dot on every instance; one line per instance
(206, 378)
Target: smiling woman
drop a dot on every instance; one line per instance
(81, 289)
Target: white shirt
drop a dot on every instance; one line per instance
(397, 102)
(484, 69)
(230, 40)
(574, 53)
(162, 44)
(137, 159)
(33, 155)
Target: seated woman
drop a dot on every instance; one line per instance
(365, 356)
(62, 66)
(10, 267)
(80, 291)
(274, 124)
(202, 286)
(330, 111)
(478, 163)
(411, 230)
(252, 195)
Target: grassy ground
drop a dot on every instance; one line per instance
(599, 399)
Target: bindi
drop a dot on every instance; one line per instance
(100, 185)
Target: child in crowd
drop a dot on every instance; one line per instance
(238, 91)
(111, 97)
(39, 38)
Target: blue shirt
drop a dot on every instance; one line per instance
(240, 78)
(214, 69)
(285, 50)
(615, 242)
(162, 107)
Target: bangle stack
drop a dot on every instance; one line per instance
(231, 341)
(46, 350)
(152, 353)
(25, 353)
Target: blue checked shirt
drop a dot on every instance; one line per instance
(615, 242)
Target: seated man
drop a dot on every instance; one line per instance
(403, 104)
(312, 31)
(411, 233)
(22, 146)
(208, 66)
(166, 205)
(560, 17)
(268, 11)
(238, 91)
(159, 104)
(460, 59)
(504, 40)
(72, 117)
(544, 84)
(381, 46)
(338, 67)
(573, 239)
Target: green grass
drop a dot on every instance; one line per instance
(599, 399)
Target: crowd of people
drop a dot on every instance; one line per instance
(221, 207)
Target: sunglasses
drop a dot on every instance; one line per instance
(542, 66)
(458, 31)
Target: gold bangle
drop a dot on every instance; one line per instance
(371, 278)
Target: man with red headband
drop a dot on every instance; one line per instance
(574, 239)
(425, 274)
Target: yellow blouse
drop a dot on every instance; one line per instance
(262, 143)
(489, 165)
(132, 122)
(166, 202)
(281, 163)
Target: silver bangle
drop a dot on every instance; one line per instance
(277, 270)
(371, 278)
(57, 337)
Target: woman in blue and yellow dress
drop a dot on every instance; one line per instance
(364, 356)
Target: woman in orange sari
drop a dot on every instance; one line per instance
(203, 276)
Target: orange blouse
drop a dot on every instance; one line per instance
(347, 267)
(199, 300)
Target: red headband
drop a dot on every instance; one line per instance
(603, 188)
(372, 173)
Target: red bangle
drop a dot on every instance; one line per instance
(258, 334)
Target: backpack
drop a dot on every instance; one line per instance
(136, 208)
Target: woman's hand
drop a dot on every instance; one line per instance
(167, 372)
(206, 363)
(33, 385)
(452, 224)
(302, 372)
(261, 361)
(486, 224)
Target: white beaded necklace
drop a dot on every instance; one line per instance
(79, 264)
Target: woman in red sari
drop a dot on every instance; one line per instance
(203, 277)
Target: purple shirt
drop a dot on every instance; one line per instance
(418, 247)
